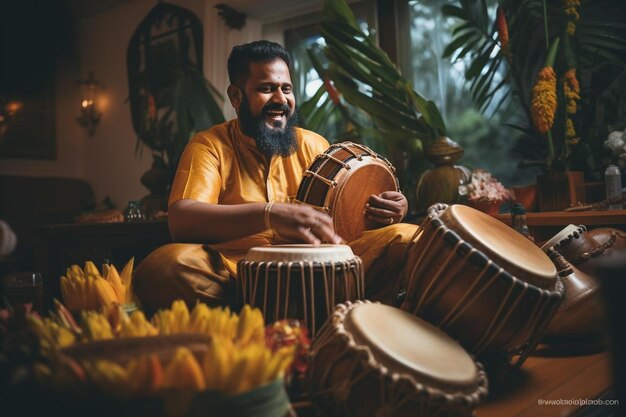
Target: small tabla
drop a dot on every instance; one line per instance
(302, 282)
(584, 248)
(482, 282)
(371, 359)
(340, 181)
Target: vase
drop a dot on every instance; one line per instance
(558, 191)
(526, 195)
(490, 207)
(441, 184)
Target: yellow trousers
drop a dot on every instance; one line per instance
(195, 272)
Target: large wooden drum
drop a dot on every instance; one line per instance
(371, 359)
(482, 282)
(302, 282)
(340, 181)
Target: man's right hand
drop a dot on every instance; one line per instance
(302, 223)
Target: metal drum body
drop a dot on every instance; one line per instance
(481, 282)
(341, 180)
(371, 359)
(302, 282)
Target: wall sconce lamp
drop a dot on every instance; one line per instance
(89, 114)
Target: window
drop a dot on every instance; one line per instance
(487, 142)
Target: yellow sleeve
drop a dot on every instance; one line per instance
(198, 175)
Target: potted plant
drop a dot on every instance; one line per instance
(405, 122)
(556, 61)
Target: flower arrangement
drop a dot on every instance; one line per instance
(616, 143)
(558, 64)
(483, 187)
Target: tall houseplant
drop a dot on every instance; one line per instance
(558, 61)
(365, 76)
(169, 97)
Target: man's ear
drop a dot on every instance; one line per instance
(235, 96)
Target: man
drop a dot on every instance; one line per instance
(232, 191)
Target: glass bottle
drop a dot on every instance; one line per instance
(518, 220)
(613, 186)
(134, 212)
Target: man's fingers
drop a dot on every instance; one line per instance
(379, 212)
(377, 201)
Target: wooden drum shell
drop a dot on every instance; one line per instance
(340, 181)
(461, 290)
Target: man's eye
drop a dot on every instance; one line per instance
(286, 90)
(265, 90)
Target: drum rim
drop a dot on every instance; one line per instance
(335, 324)
(433, 218)
(333, 253)
(564, 236)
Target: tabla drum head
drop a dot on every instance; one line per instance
(508, 248)
(300, 252)
(405, 344)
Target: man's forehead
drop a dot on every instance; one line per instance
(271, 71)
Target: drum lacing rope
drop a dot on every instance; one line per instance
(316, 207)
(331, 183)
(345, 147)
(339, 161)
(595, 252)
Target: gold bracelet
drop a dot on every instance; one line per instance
(266, 215)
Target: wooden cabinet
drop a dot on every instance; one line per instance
(59, 246)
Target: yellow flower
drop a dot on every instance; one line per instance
(571, 88)
(543, 105)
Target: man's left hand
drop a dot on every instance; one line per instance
(387, 208)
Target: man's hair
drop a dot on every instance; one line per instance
(258, 51)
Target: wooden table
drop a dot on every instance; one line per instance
(544, 225)
(549, 379)
(540, 378)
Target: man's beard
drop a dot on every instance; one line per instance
(270, 141)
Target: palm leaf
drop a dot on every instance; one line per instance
(368, 79)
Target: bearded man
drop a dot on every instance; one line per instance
(233, 187)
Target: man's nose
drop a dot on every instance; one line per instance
(279, 96)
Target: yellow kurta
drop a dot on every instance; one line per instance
(223, 166)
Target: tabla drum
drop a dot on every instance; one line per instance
(371, 359)
(580, 320)
(302, 282)
(480, 281)
(340, 181)
(583, 248)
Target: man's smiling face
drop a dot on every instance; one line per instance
(269, 93)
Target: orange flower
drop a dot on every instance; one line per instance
(570, 132)
(571, 11)
(503, 30)
(571, 88)
(543, 105)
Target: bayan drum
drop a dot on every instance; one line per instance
(371, 359)
(583, 248)
(482, 282)
(580, 320)
(301, 282)
(340, 181)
